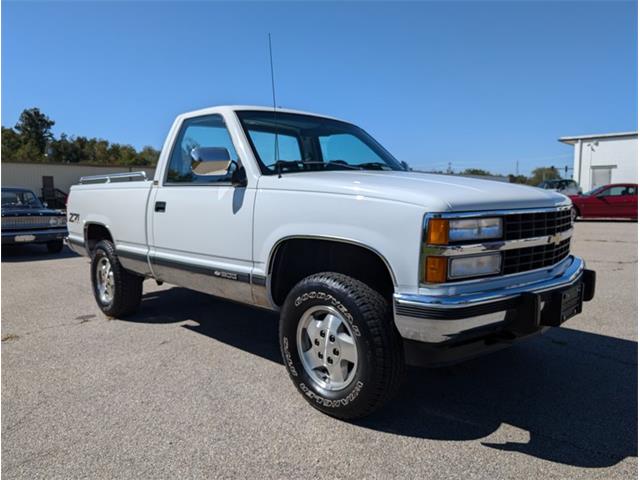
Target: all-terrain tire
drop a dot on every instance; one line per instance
(380, 357)
(126, 291)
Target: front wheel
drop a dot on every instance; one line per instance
(340, 346)
(117, 291)
(574, 214)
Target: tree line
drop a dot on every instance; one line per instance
(31, 140)
(538, 175)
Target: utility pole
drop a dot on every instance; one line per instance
(449, 170)
(517, 167)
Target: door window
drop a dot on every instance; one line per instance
(617, 191)
(199, 132)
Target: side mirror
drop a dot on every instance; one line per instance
(239, 176)
(405, 165)
(214, 161)
(45, 204)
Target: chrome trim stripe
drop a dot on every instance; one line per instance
(496, 246)
(492, 213)
(210, 271)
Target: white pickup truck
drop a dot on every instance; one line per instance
(370, 265)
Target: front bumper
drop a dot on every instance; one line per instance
(520, 307)
(33, 236)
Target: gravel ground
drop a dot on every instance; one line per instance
(193, 386)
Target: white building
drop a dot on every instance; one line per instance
(606, 158)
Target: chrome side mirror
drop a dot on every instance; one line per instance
(213, 161)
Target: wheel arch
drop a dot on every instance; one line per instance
(94, 232)
(275, 288)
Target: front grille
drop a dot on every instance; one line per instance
(530, 258)
(540, 224)
(34, 222)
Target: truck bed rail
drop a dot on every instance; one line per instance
(115, 177)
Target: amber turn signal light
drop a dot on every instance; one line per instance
(438, 231)
(436, 270)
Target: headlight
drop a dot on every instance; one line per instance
(475, 229)
(442, 231)
(55, 221)
(475, 266)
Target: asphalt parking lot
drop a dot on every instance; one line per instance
(193, 386)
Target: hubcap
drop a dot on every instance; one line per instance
(327, 347)
(104, 280)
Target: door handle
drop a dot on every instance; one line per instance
(161, 206)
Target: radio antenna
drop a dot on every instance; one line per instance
(276, 153)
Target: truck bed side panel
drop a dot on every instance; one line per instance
(121, 208)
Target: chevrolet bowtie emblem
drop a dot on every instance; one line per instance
(557, 238)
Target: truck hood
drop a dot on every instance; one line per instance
(437, 193)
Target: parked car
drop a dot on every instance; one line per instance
(564, 186)
(369, 265)
(619, 200)
(26, 220)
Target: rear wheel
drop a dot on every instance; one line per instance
(340, 345)
(55, 246)
(117, 291)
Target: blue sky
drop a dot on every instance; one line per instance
(477, 84)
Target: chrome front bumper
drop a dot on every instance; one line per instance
(447, 314)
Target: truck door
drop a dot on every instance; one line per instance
(201, 224)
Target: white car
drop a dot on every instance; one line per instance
(371, 266)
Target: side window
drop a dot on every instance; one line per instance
(206, 131)
(265, 144)
(614, 191)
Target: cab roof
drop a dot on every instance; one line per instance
(238, 108)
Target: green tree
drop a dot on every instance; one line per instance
(148, 156)
(35, 129)
(11, 143)
(477, 172)
(541, 174)
(518, 179)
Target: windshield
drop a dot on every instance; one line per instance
(287, 142)
(20, 198)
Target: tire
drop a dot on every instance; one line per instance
(574, 214)
(55, 246)
(125, 291)
(365, 320)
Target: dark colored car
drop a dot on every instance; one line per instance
(26, 220)
(619, 200)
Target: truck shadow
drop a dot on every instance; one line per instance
(573, 394)
(32, 253)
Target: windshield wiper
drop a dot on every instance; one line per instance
(374, 166)
(292, 163)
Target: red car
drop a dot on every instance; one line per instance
(618, 200)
